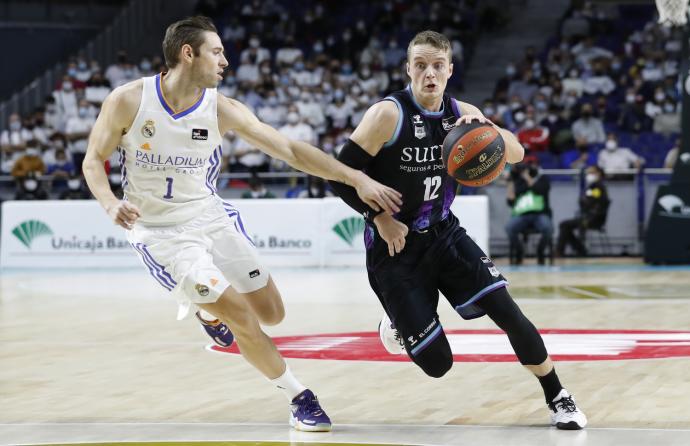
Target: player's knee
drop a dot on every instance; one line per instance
(436, 359)
(273, 317)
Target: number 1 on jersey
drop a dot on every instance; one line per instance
(432, 185)
(168, 194)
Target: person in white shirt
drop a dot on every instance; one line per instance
(613, 158)
(288, 54)
(168, 128)
(116, 73)
(588, 129)
(311, 112)
(272, 112)
(256, 49)
(65, 101)
(77, 131)
(340, 111)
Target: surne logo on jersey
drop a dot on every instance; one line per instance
(200, 134)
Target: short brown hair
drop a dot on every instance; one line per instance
(432, 38)
(188, 31)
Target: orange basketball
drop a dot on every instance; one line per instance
(474, 154)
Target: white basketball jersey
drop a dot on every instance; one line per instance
(171, 159)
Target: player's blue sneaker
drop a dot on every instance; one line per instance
(306, 413)
(219, 332)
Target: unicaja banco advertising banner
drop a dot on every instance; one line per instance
(287, 232)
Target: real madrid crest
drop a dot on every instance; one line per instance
(148, 129)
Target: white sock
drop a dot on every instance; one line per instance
(208, 317)
(288, 384)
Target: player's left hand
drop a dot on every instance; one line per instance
(377, 196)
(467, 119)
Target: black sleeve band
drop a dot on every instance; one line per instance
(354, 156)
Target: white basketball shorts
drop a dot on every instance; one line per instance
(199, 259)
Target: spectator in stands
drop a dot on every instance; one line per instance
(528, 195)
(97, 88)
(288, 54)
(249, 158)
(15, 137)
(560, 134)
(229, 85)
(271, 111)
(28, 162)
(75, 190)
(604, 110)
(339, 112)
(613, 158)
(599, 82)
(594, 203)
(316, 188)
(588, 129)
(585, 52)
(82, 71)
(248, 71)
(573, 83)
(532, 136)
(393, 55)
(36, 125)
(66, 102)
(633, 117)
(30, 188)
(255, 49)
(672, 155)
(668, 121)
(257, 189)
(234, 31)
(77, 131)
(121, 71)
(62, 168)
(655, 107)
(146, 67)
(311, 113)
(524, 88)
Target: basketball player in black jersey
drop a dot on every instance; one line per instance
(422, 249)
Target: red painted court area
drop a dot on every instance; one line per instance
(493, 345)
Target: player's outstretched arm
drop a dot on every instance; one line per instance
(514, 150)
(117, 113)
(233, 115)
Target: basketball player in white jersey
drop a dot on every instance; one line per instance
(168, 130)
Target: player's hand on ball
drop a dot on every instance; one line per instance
(124, 214)
(377, 196)
(467, 119)
(392, 232)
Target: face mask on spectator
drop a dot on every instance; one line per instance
(489, 111)
(72, 72)
(510, 70)
(74, 183)
(254, 42)
(519, 117)
(318, 47)
(299, 66)
(58, 144)
(365, 73)
(515, 105)
(338, 95)
(82, 66)
(659, 97)
(611, 144)
(50, 108)
(347, 69)
(292, 118)
(591, 178)
(630, 98)
(540, 105)
(32, 151)
(30, 184)
(272, 101)
(230, 80)
(572, 74)
(15, 126)
(265, 70)
(356, 90)
(616, 66)
(529, 124)
(669, 107)
(145, 65)
(83, 111)
(67, 86)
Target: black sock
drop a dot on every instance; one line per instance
(551, 385)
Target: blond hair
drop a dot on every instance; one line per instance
(432, 38)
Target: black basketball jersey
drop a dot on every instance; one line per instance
(411, 162)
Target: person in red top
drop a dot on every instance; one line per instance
(533, 137)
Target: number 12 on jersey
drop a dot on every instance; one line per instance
(168, 194)
(432, 185)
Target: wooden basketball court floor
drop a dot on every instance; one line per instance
(98, 357)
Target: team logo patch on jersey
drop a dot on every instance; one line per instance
(254, 273)
(419, 131)
(201, 289)
(200, 134)
(148, 129)
(448, 124)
